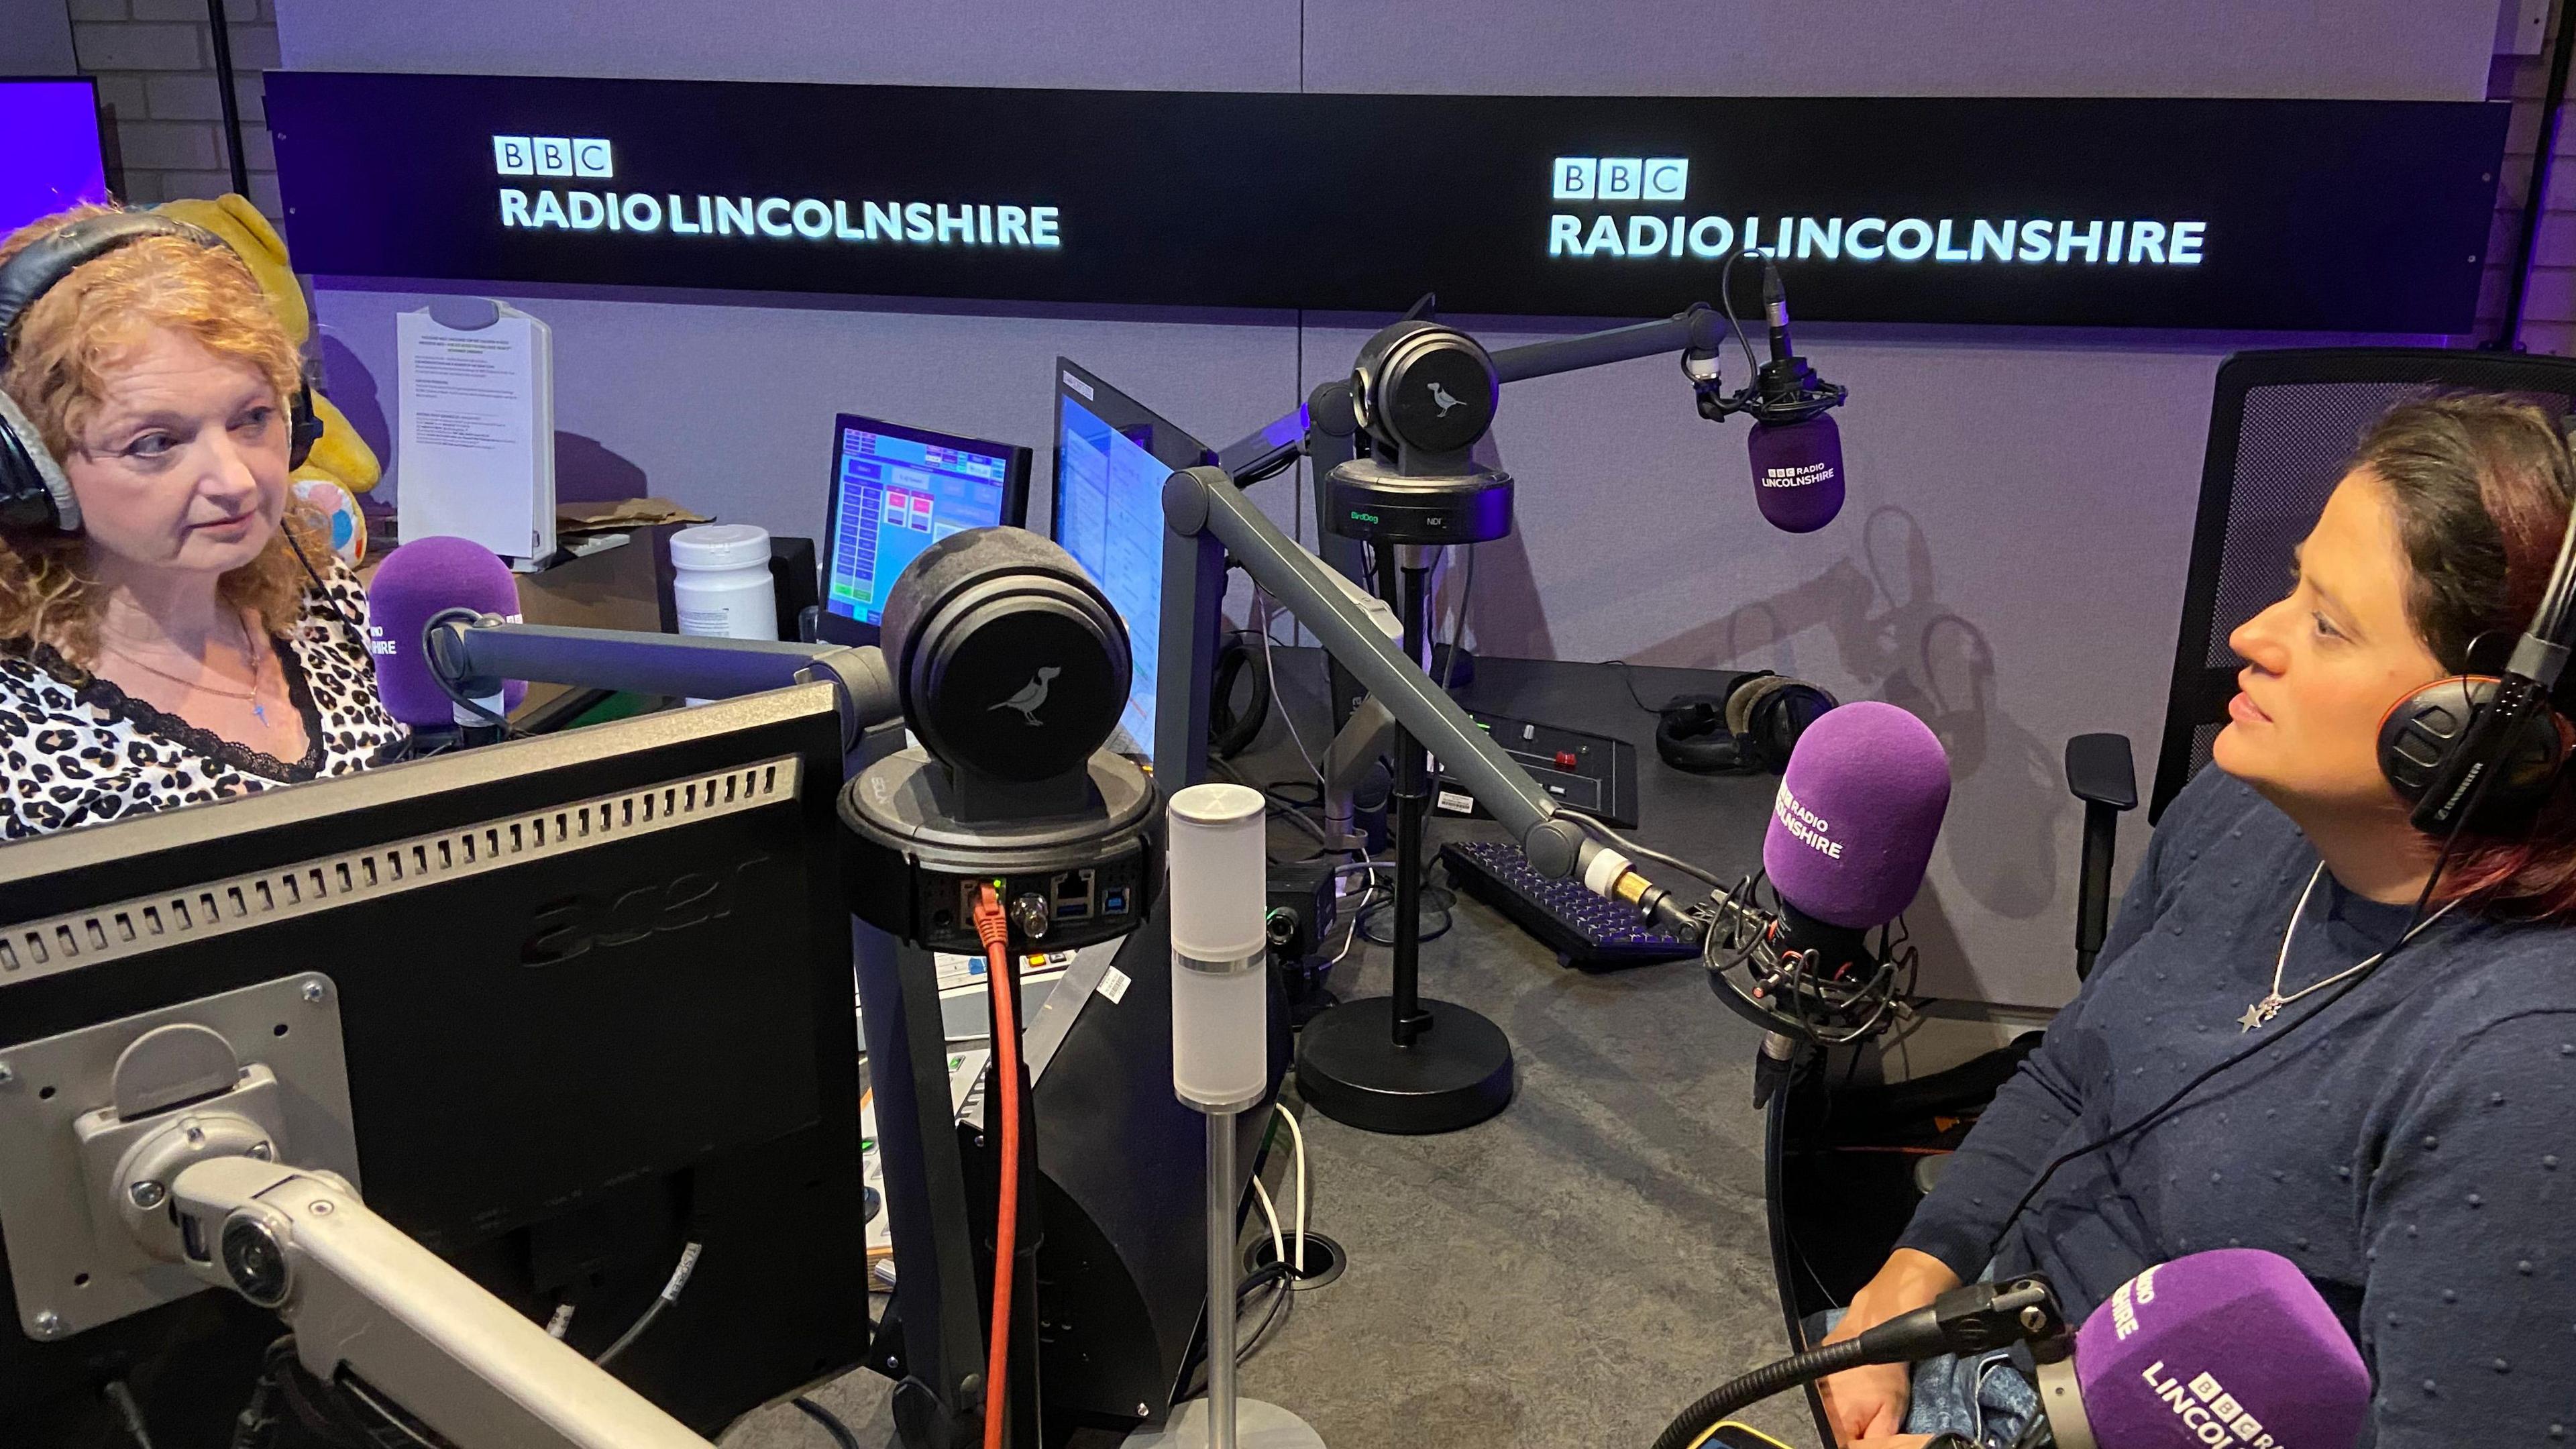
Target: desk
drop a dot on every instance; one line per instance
(1572, 1273)
(1712, 821)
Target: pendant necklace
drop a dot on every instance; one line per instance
(250, 651)
(2260, 1012)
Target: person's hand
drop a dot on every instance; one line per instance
(1866, 1406)
(1897, 1441)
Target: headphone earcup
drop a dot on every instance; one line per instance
(1691, 735)
(1230, 733)
(1775, 719)
(1743, 694)
(34, 493)
(2419, 734)
(304, 427)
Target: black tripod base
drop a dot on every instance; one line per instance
(1455, 1075)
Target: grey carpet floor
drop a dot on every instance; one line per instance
(1571, 1273)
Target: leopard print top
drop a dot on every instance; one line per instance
(77, 750)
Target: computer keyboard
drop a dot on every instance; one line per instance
(1583, 929)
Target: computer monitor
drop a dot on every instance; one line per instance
(896, 491)
(593, 995)
(52, 159)
(1111, 457)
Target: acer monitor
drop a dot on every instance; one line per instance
(592, 997)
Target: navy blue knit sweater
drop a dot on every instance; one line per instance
(2414, 1150)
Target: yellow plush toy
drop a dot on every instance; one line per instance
(340, 457)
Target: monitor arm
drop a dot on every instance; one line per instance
(1202, 506)
(372, 1308)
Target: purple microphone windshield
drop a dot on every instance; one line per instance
(417, 580)
(2228, 1346)
(1798, 473)
(1859, 807)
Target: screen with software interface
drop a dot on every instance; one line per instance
(895, 496)
(1109, 516)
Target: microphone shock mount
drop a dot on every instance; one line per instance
(1836, 989)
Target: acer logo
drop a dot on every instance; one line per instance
(575, 925)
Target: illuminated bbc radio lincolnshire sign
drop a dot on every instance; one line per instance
(594, 157)
(1646, 180)
(2348, 216)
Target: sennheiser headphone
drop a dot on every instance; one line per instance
(1750, 728)
(2484, 748)
(34, 493)
(2487, 750)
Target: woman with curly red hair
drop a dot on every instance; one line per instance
(166, 637)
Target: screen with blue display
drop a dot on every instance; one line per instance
(897, 491)
(53, 158)
(1111, 460)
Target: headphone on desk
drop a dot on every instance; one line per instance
(34, 493)
(1750, 728)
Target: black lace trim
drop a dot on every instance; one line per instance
(104, 694)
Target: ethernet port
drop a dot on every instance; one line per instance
(1072, 895)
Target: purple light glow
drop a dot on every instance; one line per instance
(51, 159)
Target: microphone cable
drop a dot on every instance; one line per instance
(1726, 303)
(2415, 922)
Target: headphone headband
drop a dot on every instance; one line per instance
(42, 264)
(34, 493)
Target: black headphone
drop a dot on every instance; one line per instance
(34, 493)
(2489, 749)
(1232, 731)
(1750, 728)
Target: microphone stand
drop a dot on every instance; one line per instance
(1777, 1065)
(1976, 1318)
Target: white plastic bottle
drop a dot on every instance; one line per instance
(721, 581)
(720, 584)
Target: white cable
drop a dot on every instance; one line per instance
(562, 1320)
(1299, 1135)
(1270, 667)
(1278, 1241)
(670, 1294)
(1352, 936)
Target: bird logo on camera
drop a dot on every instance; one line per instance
(1032, 695)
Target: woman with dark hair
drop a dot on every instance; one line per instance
(2412, 1148)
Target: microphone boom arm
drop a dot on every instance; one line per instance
(1698, 328)
(472, 653)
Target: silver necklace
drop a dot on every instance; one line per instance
(250, 651)
(2270, 1006)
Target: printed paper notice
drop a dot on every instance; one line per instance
(476, 454)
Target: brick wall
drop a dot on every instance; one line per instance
(2549, 305)
(155, 64)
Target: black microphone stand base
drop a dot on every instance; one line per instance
(1456, 1073)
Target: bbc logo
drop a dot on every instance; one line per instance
(1622, 178)
(551, 156)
